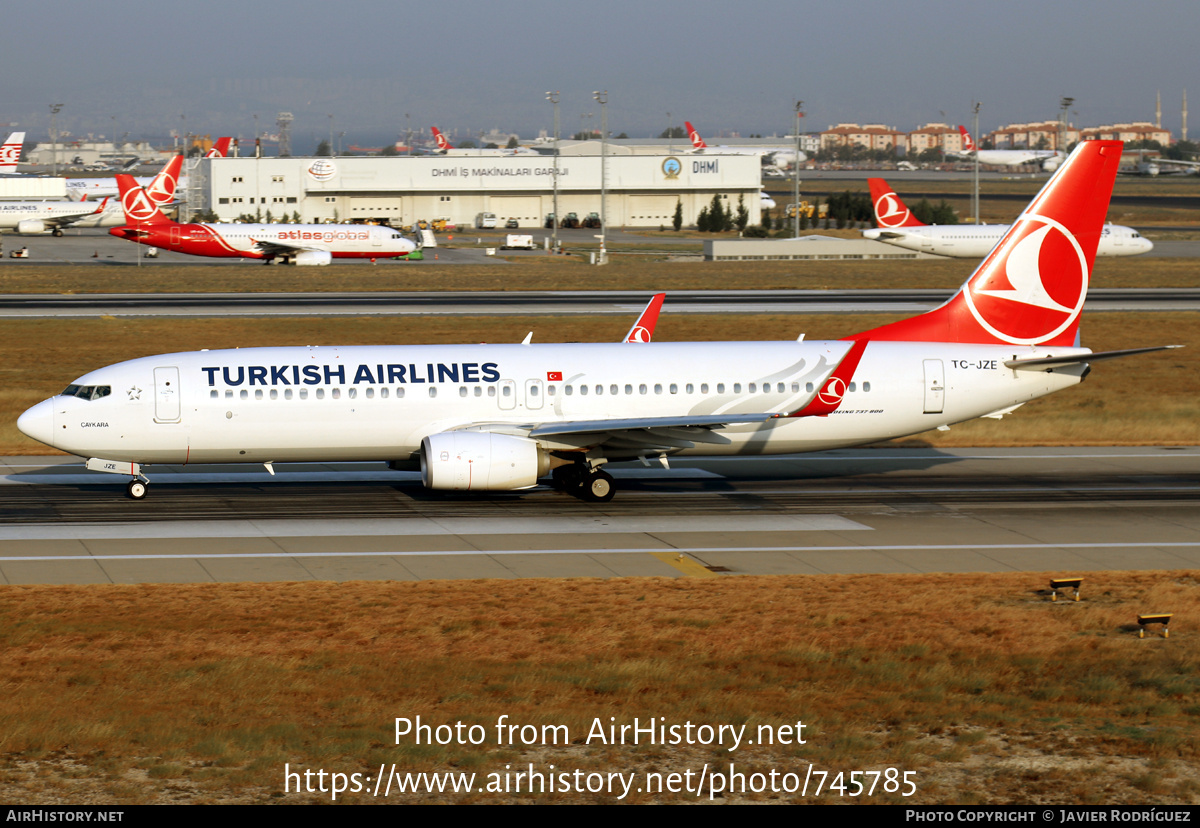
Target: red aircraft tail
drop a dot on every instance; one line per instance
(1031, 288)
(443, 143)
(220, 149)
(694, 136)
(162, 189)
(139, 207)
(643, 328)
(890, 211)
(968, 144)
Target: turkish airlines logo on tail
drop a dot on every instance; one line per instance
(138, 206)
(1038, 288)
(639, 334)
(890, 211)
(441, 139)
(694, 136)
(968, 144)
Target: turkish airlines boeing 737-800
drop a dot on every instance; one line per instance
(499, 417)
(898, 226)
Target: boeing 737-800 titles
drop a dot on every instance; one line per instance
(301, 244)
(34, 217)
(899, 227)
(499, 417)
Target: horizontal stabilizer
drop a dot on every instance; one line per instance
(1046, 363)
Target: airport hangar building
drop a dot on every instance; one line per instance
(641, 190)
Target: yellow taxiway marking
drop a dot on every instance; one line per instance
(685, 564)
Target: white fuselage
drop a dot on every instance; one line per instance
(974, 241)
(68, 213)
(95, 189)
(263, 405)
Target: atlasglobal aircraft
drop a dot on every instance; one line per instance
(303, 244)
(499, 417)
(899, 227)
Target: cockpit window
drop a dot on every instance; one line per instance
(87, 392)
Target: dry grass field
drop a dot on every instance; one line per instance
(979, 684)
(1144, 400)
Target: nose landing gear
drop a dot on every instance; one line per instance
(136, 489)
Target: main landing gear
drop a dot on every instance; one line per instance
(594, 485)
(136, 489)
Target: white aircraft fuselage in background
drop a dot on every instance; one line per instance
(973, 241)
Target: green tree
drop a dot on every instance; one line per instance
(742, 217)
(941, 213)
(703, 221)
(390, 151)
(512, 143)
(677, 219)
(468, 144)
(323, 149)
(765, 218)
(673, 132)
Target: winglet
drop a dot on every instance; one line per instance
(1031, 288)
(643, 328)
(890, 211)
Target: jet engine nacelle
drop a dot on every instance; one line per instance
(480, 461)
(30, 227)
(313, 258)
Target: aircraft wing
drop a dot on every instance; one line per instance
(275, 248)
(59, 222)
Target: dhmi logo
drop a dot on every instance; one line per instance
(705, 166)
(671, 167)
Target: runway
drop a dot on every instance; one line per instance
(526, 303)
(1066, 510)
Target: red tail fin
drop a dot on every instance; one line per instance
(10, 152)
(1031, 288)
(162, 188)
(694, 136)
(890, 211)
(442, 143)
(220, 149)
(968, 144)
(139, 208)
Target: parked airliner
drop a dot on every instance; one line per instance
(1049, 159)
(34, 217)
(444, 147)
(301, 244)
(778, 156)
(899, 227)
(499, 416)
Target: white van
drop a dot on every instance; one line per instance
(485, 221)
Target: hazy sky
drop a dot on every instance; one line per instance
(142, 67)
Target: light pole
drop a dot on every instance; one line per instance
(975, 132)
(602, 99)
(552, 97)
(54, 110)
(1064, 104)
(331, 136)
(670, 136)
(796, 172)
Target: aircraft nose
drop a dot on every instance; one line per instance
(38, 422)
(1147, 245)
